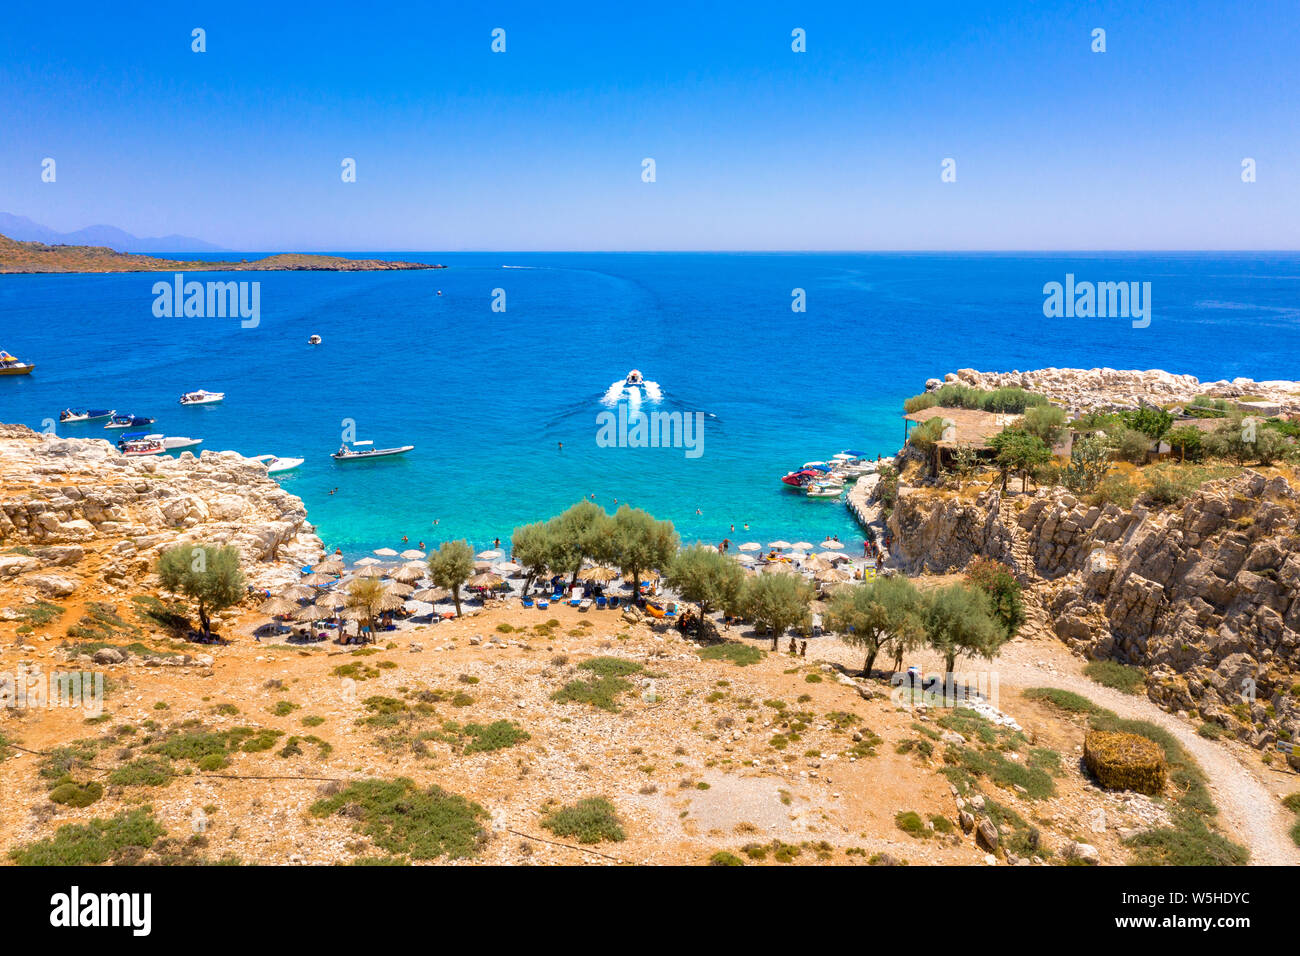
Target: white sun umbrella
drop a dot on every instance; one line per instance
(366, 562)
(842, 456)
(412, 555)
(745, 558)
(797, 555)
(802, 546)
(385, 552)
(832, 545)
(781, 545)
(751, 546)
(509, 567)
(488, 555)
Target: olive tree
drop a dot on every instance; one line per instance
(451, 566)
(705, 577)
(208, 575)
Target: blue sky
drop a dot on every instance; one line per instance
(756, 147)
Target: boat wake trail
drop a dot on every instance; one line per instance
(633, 393)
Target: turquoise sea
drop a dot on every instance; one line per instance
(487, 397)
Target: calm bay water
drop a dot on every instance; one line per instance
(486, 397)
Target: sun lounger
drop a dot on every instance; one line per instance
(601, 603)
(543, 604)
(528, 602)
(584, 604)
(614, 602)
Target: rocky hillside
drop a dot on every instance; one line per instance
(76, 508)
(1079, 389)
(32, 257)
(1204, 595)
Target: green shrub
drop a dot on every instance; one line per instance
(588, 821)
(599, 692)
(495, 736)
(723, 858)
(1115, 675)
(95, 842)
(70, 793)
(910, 822)
(742, 655)
(402, 819)
(611, 667)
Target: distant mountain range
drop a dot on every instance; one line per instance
(24, 230)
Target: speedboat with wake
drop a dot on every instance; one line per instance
(364, 450)
(128, 421)
(70, 416)
(276, 465)
(202, 397)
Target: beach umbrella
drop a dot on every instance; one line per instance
(298, 592)
(331, 602)
(430, 595)
(802, 546)
(353, 614)
(488, 555)
(397, 587)
(385, 552)
(310, 613)
(408, 574)
(600, 575)
(817, 563)
(817, 607)
(780, 545)
(371, 572)
(796, 556)
(509, 567)
(751, 546)
(832, 545)
(831, 576)
(278, 605)
(412, 555)
(648, 575)
(316, 580)
(482, 565)
(329, 566)
(486, 579)
(390, 601)
(745, 558)
(366, 562)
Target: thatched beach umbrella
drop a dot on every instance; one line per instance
(408, 574)
(329, 566)
(371, 572)
(816, 563)
(600, 575)
(397, 587)
(831, 576)
(331, 602)
(482, 565)
(310, 613)
(391, 602)
(487, 579)
(431, 595)
(410, 554)
(298, 592)
(278, 605)
(354, 614)
(780, 567)
(316, 580)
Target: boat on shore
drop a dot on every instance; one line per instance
(202, 397)
(275, 465)
(11, 366)
(70, 416)
(362, 450)
(128, 421)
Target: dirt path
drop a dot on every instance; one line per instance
(1245, 804)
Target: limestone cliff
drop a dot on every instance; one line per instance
(63, 501)
(1204, 595)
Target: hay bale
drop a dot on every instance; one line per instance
(1125, 761)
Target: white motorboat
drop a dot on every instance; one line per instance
(314, 340)
(141, 446)
(276, 465)
(634, 377)
(175, 443)
(361, 450)
(70, 415)
(824, 491)
(202, 397)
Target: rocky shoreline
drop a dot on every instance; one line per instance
(75, 511)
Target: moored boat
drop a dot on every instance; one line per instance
(142, 446)
(202, 397)
(275, 465)
(11, 366)
(361, 450)
(71, 416)
(128, 421)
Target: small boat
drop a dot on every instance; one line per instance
(800, 479)
(174, 443)
(634, 377)
(128, 421)
(314, 340)
(824, 491)
(142, 446)
(71, 415)
(364, 449)
(11, 366)
(276, 465)
(202, 397)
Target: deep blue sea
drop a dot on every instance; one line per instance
(486, 397)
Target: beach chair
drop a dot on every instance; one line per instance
(601, 603)
(584, 604)
(614, 602)
(558, 596)
(543, 604)
(528, 602)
